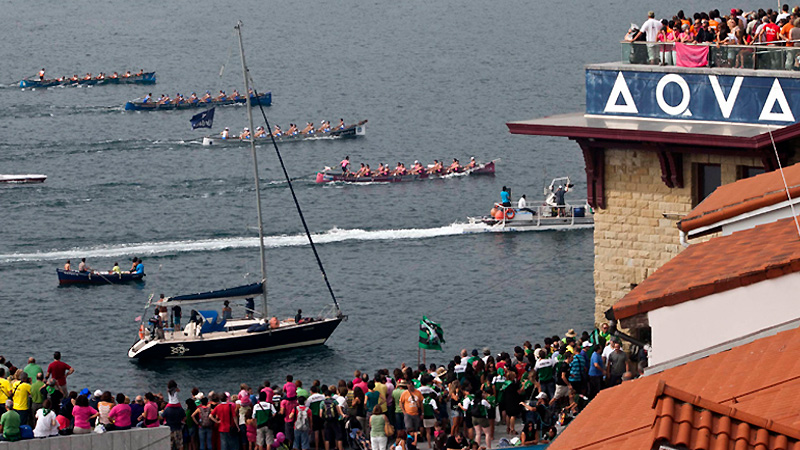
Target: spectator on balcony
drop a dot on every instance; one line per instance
(666, 37)
(703, 33)
(650, 29)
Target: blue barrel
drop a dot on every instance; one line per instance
(579, 211)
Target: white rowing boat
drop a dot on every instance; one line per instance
(20, 179)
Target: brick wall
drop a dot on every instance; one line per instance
(632, 238)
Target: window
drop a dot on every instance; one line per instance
(743, 172)
(709, 177)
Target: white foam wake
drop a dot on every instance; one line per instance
(210, 245)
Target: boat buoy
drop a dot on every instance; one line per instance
(493, 212)
(498, 215)
(510, 214)
(141, 332)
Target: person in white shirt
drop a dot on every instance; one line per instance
(522, 205)
(46, 423)
(650, 28)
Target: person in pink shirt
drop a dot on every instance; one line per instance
(120, 414)
(290, 389)
(83, 413)
(362, 383)
(150, 414)
(268, 390)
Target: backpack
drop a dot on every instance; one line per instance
(329, 409)
(205, 420)
(301, 421)
(477, 410)
(262, 415)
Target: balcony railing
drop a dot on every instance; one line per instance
(757, 57)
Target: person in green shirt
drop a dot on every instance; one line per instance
(300, 391)
(9, 423)
(32, 368)
(38, 394)
(399, 422)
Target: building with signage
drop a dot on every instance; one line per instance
(656, 141)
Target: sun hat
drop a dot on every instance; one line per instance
(571, 332)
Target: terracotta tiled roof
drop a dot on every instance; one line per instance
(720, 264)
(753, 387)
(684, 419)
(743, 196)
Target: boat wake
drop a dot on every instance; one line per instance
(209, 245)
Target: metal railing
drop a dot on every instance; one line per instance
(546, 213)
(756, 57)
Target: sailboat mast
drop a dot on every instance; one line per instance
(255, 172)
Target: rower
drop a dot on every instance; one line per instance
(292, 129)
(88, 76)
(309, 129)
(41, 74)
(328, 126)
(472, 163)
(252, 94)
(141, 73)
(67, 266)
(321, 129)
(235, 95)
(367, 172)
(116, 269)
(225, 133)
(101, 76)
(222, 97)
(345, 165)
(403, 170)
(127, 74)
(361, 171)
(455, 167)
(386, 170)
(139, 267)
(260, 132)
(193, 98)
(277, 132)
(341, 124)
(245, 133)
(83, 267)
(115, 75)
(74, 77)
(133, 264)
(178, 99)
(147, 98)
(206, 98)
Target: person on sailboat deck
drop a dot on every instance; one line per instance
(227, 312)
(83, 267)
(156, 329)
(299, 316)
(225, 133)
(274, 323)
(245, 133)
(67, 265)
(249, 307)
(505, 197)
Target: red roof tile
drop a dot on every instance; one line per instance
(747, 397)
(721, 264)
(743, 196)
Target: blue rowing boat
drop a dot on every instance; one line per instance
(137, 105)
(146, 78)
(75, 277)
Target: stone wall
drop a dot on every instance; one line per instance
(632, 238)
(135, 439)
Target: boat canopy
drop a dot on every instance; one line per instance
(210, 323)
(236, 293)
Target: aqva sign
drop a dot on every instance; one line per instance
(693, 96)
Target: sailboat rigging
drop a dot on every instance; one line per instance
(206, 336)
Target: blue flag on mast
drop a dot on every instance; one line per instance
(203, 120)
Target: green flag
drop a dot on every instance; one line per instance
(431, 335)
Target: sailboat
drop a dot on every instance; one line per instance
(206, 335)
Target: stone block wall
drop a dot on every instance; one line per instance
(632, 238)
(137, 438)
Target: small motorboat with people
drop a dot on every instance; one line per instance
(555, 213)
(22, 179)
(165, 103)
(418, 172)
(39, 81)
(206, 336)
(292, 133)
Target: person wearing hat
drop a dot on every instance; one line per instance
(245, 133)
(398, 392)
(570, 334)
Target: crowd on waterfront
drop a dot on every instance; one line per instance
(752, 28)
(455, 406)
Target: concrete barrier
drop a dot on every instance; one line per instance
(135, 439)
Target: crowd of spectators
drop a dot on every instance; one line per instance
(765, 28)
(533, 391)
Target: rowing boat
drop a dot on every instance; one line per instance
(146, 78)
(19, 179)
(75, 277)
(350, 132)
(138, 105)
(481, 169)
